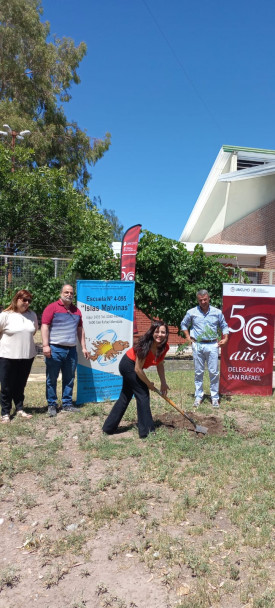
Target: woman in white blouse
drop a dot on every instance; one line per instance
(18, 325)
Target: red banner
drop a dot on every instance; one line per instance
(128, 258)
(128, 253)
(247, 358)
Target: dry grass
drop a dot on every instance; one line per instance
(171, 521)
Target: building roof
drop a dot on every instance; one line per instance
(241, 181)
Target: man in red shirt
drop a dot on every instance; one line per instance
(60, 329)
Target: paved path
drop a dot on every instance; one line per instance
(38, 373)
(37, 378)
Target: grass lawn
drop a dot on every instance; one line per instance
(177, 520)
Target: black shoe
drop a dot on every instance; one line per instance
(148, 434)
(70, 408)
(52, 411)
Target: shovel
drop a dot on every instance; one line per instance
(198, 428)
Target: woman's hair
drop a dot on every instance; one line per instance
(145, 342)
(23, 293)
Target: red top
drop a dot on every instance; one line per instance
(150, 359)
(57, 307)
(63, 323)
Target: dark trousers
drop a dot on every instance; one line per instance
(14, 374)
(132, 385)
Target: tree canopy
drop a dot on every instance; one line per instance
(95, 260)
(44, 205)
(36, 75)
(168, 277)
(117, 227)
(42, 213)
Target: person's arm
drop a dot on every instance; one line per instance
(163, 384)
(45, 334)
(185, 326)
(81, 338)
(141, 374)
(224, 340)
(224, 329)
(2, 322)
(187, 335)
(35, 323)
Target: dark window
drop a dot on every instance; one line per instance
(245, 163)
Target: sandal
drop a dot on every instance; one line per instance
(23, 414)
(5, 419)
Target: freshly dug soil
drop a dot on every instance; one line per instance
(176, 421)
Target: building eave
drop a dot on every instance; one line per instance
(211, 180)
(217, 206)
(238, 254)
(258, 151)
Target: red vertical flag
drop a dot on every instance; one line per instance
(128, 257)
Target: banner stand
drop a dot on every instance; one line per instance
(107, 309)
(247, 358)
(128, 258)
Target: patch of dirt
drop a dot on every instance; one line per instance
(105, 570)
(243, 423)
(102, 573)
(213, 424)
(216, 425)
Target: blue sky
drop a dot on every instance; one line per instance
(172, 82)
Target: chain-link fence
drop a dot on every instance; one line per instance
(17, 271)
(260, 275)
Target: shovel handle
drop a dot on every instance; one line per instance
(176, 407)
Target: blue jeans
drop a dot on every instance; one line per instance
(64, 359)
(209, 354)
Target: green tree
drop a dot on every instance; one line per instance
(42, 213)
(95, 260)
(168, 277)
(36, 75)
(117, 227)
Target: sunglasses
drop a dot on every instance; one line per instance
(27, 300)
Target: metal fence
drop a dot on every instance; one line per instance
(19, 270)
(260, 275)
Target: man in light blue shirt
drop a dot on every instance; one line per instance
(204, 322)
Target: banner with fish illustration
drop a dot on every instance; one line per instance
(107, 309)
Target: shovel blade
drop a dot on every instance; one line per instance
(201, 429)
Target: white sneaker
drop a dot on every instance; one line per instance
(215, 403)
(5, 419)
(197, 402)
(23, 414)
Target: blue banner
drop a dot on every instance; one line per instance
(107, 309)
